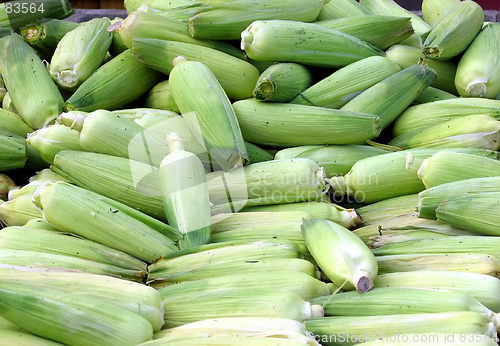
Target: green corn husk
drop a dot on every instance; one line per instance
(6, 185)
(229, 341)
(204, 256)
(435, 10)
(100, 221)
(160, 97)
(340, 254)
(134, 5)
(117, 45)
(454, 32)
(243, 327)
(185, 194)
(18, 211)
(476, 131)
(132, 183)
(3, 91)
(478, 69)
(382, 301)
(391, 8)
(406, 56)
(430, 199)
(20, 338)
(12, 123)
(282, 82)
(266, 183)
(39, 224)
(397, 91)
(226, 21)
(346, 83)
(137, 298)
(75, 320)
(384, 176)
(237, 77)
(236, 302)
(44, 37)
(448, 166)
(250, 266)
(470, 263)
(158, 26)
(8, 105)
(299, 283)
(34, 161)
(478, 286)
(23, 71)
(342, 9)
(432, 94)
(461, 211)
(114, 75)
(147, 117)
(13, 149)
(284, 125)
(257, 154)
(407, 235)
(50, 140)
(280, 40)
(381, 31)
(433, 113)
(349, 330)
(38, 261)
(348, 218)
(208, 113)
(387, 208)
(335, 159)
(80, 53)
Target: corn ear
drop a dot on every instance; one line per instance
(18, 211)
(341, 255)
(50, 140)
(346, 83)
(454, 32)
(208, 113)
(278, 40)
(160, 97)
(282, 82)
(309, 125)
(435, 10)
(341, 9)
(432, 94)
(114, 75)
(379, 211)
(19, 338)
(229, 341)
(237, 77)
(478, 69)
(13, 123)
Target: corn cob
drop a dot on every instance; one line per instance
(160, 97)
(229, 341)
(279, 40)
(208, 113)
(470, 263)
(239, 327)
(237, 77)
(479, 286)
(6, 185)
(341, 255)
(236, 302)
(335, 159)
(432, 94)
(75, 320)
(381, 31)
(12, 123)
(391, 8)
(433, 11)
(20, 338)
(299, 283)
(477, 70)
(387, 208)
(406, 56)
(398, 92)
(454, 32)
(185, 194)
(476, 131)
(429, 114)
(115, 75)
(202, 257)
(309, 125)
(227, 21)
(429, 199)
(50, 140)
(100, 221)
(447, 166)
(163, 27)
(282, 82)
(346, 83)
(350, 330)
(23, 72)
(267, 183)
(13, 149)
(342, 9)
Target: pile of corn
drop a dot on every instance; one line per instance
(251, 172)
